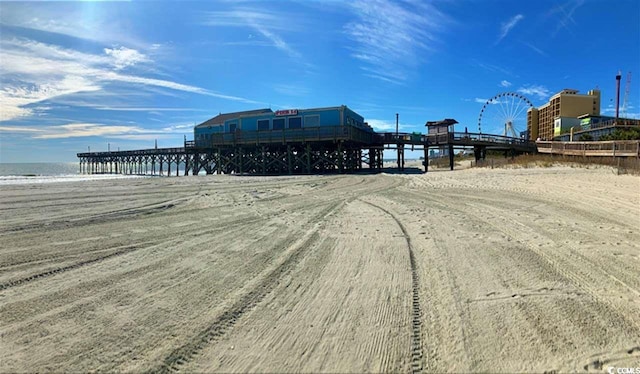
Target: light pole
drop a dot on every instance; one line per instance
(396, 125)
(399, 148)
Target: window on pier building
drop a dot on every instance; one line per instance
(312, 121)
(263, 124)
(233, 127)
(278, 124)
(295, 122)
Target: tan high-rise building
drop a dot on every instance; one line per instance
(566, 103)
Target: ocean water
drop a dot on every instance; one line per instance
(39, 169)
(48, 172)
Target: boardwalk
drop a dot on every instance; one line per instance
(615, 148)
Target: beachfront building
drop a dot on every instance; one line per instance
(289, 141)
(263, 124)
(568, 103)
(588, 127)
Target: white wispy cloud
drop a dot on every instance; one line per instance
(505, 83)
(534, 48)
(506, 27)
(147, 109)
(291, 89)
(149, 137)
(383, 125)
(70, 19)
(539, 91)
(249, 42)
(13, 99)
(73, 130)
(37, 71)
(267, 23)
(565, 15)
(628, 112)
(79, 130)
(179, 128)
(484, 101)
(84, 130)
(276, 40)
(243, 16)
(19, 129)
(492, 67)
(391, 37)
(124, 57)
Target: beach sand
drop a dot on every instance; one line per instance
(476, 270)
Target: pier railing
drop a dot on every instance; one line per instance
(139, 152)
(306, 134)
(455, 138)
(464, 136)
(613, 148)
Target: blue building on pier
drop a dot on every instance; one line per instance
(268, 121)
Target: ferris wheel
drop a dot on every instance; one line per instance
(505, 113)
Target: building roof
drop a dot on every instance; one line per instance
(444, 122)
(222, 117)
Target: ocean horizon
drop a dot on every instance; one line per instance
(29, 169)
(49, 172)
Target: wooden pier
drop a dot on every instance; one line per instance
(289, 151)
(338, 149)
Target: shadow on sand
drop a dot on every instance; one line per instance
(407, 170)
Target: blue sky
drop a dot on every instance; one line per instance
(87, 74)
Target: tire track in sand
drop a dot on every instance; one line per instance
(185, 353)
(577, 275)
(99, 218)
(416, 337)
(17, 282)
(120, 250)
(201, 230)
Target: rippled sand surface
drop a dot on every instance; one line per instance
(475, 270)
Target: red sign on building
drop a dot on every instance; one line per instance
(287, 112)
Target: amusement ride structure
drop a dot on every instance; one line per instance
(505, 114)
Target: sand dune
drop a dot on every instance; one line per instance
(477, 270)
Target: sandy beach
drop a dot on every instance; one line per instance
(476, 270)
